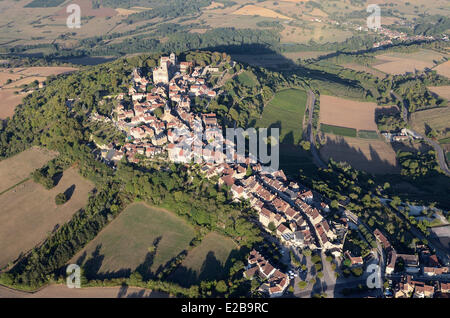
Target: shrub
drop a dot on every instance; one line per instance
(307, 252)
(60, 199)
(302, 284)
(357, 271)
(316, 259)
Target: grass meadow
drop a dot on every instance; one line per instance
(141, 236)
(207, 261)
(285, 111)
(338, 130)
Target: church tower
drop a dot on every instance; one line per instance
(173, 59)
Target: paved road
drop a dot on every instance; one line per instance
(437, 147)
(333, 290)
(309, 131)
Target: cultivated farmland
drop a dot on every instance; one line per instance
(5, 76)
(260, 11)
(29, 213)
(436, 118)
(443, 91)
(341, 112)
(443, 69)
(9, 99)
(141, 235)
(400, 63)
(45, 70)
(374, 156)
(19, 167)
(286, 111)
(368, 134)
(22, 76)
(337, 130)
(25, 81)
(206, 261)
(364, 68)
(61, 291)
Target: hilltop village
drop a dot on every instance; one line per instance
(286, 209)
(160, 126)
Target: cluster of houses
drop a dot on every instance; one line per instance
(285, 208)
(408, 288)
(151, 121)
(424, 265)
(274, 281)
(399, 36)
(160, 124)
(403, 135)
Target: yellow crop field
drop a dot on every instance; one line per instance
(255, 10)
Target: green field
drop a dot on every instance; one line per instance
(248, 79)
(142, 236)
(444, 141)
(285, 111)
(368, 134)
(208, 261)
(337, 130)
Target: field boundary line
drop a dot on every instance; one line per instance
(16, 185)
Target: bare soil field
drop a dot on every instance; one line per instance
(5, 76)
(21, 76)
(373, 156)
(62, 291)
(214, 5)
(255, 10)
(19, 167)
(400, 63)
(125, 12)
(347, 113)
(318, 13)
(436, 118)
(29, 213)
(443, 69)
(443, 91)
(29, 26)
(46, 70)
(25, 81)
(9, 101)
